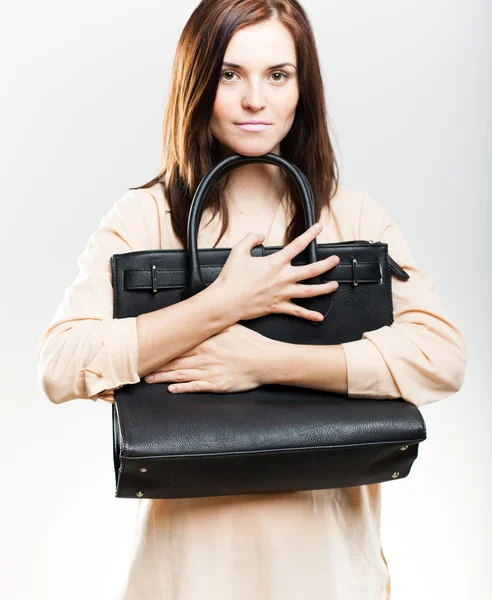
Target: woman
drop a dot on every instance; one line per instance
(239, 61)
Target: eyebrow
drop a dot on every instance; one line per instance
(234, 66)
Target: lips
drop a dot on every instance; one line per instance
(254, 126)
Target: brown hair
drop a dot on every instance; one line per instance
(189, 150)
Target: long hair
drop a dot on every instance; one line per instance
(188, 148)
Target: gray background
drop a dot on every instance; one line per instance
(84, 87)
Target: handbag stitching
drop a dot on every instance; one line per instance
(412, 442)
(170, 286)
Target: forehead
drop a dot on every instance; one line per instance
(255, 45)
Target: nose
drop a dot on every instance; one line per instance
(253, 97)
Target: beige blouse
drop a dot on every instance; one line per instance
(322, 544)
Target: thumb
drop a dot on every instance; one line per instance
(250, 240)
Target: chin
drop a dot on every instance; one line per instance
(252, 149)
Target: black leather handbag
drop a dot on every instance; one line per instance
(275, 438)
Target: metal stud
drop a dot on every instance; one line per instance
(354, 272)
(403, 448)
(395, 475)
(143, 470)
(154, 279)
(139, 494)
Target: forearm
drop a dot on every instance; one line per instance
(317, 367)
(169, 332)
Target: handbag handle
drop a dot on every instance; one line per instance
(195, 282)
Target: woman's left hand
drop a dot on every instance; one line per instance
(230, 361)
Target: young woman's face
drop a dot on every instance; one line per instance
(252, 90)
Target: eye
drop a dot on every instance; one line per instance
(224, 72)
(283, 75)
(276, 81)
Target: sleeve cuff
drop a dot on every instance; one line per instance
(368, 375)
(116, 359)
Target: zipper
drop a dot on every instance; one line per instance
(355, 242)
(395, 267)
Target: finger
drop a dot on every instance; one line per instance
(298, 244)
(174, 376)
(250, 240)
(289, 308)
(192, 387)
(182, 362)
(318, 268)
(308, 291)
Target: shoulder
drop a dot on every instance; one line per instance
(149, 200)
(138, 217)
(156, 192)
(347, 199)
(354, 200)
(358, 210)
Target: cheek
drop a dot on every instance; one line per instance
(222, 109)
(286, 106)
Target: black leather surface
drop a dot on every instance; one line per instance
(273, 438)
(274, 472)
(349, 311)
(269, 418)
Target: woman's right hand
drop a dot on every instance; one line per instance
(264, 285)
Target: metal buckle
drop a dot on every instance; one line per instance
(354, 272)
(154, 279)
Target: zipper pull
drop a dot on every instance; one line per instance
(395, 267)
(397, 270)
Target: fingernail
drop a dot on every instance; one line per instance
(149, 379)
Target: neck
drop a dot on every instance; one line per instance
(252, 187)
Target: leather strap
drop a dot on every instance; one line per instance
(155, 279)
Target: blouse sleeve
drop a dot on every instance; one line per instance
(421, 357)
(85, 352)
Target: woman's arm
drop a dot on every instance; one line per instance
(169, 332)
(85, 352)
(421, 357)
(317, 367)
